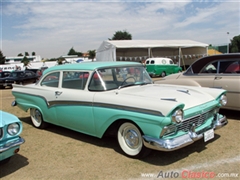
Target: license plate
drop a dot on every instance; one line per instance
(208, 135)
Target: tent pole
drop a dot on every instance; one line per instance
(179, 56)
(149, 52)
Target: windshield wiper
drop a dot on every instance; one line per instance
(133, 84)
(127, 85)
(142, 83)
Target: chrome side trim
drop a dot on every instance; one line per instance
(96, 104)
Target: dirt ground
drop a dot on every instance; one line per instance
(58, 153)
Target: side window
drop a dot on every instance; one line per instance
(74, 79)
(210, 68)
(95, 83)
(28, 74)
(230, 67)
(147, 62)
(51, 80)
(152, 62)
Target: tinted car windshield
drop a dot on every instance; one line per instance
(118, 77)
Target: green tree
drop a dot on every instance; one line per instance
(234, 46)
(25, 62)
(2, 58)
(91, 54)
(73, 52)
(121, 35)
(20, 54)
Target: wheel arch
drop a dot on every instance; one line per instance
(113, 128)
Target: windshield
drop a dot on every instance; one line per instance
(118, 77)
(16, 74)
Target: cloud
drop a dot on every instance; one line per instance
(51, 28)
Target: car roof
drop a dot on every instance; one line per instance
(197, 65)
(91, 65)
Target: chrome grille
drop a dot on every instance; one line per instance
(197, 120)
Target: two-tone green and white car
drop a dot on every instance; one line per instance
(119, 98)
(161, 67)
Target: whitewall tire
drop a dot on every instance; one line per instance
(130, 140)
(37, 119)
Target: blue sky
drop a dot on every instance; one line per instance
(51, 28)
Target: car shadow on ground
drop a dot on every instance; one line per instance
(230, 114)
(162, 158)
(16, 162)
(155, 157)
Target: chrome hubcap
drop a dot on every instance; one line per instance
(131, 138)
(37, 116)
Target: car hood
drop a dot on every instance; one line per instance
(7, 118)
(160, 97)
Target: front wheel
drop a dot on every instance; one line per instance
(37, 119)
(130, 140)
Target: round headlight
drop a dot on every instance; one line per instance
(177, 116)
(13, 129)
(223, 100)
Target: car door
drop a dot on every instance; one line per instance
(32, 77)
(74, 103)
(48, 94)
(229, 78)
(26, 78)
(206, 76)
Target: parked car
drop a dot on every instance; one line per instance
(161, 67)
(10, 140)
(218, 71)
(21, 77)
(38, 71)
(3, 75)
(119, 98)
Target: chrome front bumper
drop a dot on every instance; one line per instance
(181, 141)
(12, 144)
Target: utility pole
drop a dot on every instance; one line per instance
(227, 42)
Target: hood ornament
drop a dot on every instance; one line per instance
(184, 91)
(169, 99)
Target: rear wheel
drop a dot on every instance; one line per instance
(163, 74)
(130, 140)
(37, 120)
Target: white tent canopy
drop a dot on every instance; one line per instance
(182, 51)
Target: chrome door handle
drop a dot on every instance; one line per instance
(218, 77)
(58, 93)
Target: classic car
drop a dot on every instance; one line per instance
(3, 75)
(217, 71)
(120, 99)
(10, 141)
(20, 77)
(161, 67)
